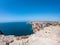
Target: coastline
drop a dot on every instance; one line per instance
(47, 33)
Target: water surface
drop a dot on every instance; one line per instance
(16, 28)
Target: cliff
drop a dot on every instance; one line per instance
(46, 33)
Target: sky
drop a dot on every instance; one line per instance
(29, 10)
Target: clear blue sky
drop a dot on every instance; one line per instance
(29, 10)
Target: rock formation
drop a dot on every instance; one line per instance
(37, 26)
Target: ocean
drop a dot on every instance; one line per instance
(16, 28)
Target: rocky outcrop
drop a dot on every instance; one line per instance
(5, 40)
(37, 26)
(13, 40)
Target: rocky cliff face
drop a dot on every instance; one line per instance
(37, 26)
(46, 33)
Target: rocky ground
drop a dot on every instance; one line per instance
(46, 33)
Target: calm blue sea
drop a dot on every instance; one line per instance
(16, 28)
